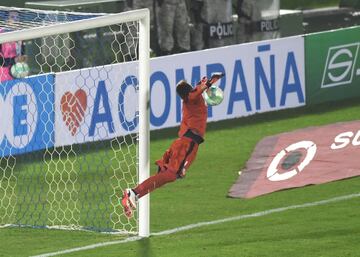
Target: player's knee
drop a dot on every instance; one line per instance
(171, 176)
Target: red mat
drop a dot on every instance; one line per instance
(314, 155)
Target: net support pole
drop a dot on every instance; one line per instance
(144, 121)
(62, 28)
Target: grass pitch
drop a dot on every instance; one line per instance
(326, 230)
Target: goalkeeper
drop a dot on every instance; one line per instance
(182, 152)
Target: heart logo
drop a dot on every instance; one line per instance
(73, 108)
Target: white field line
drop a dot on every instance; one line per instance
(202, 224)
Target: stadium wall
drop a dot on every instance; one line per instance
(332, 65)
(27, 115)
(260, 77)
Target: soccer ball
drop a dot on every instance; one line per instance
(213, 96)
(20, 70)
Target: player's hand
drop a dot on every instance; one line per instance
(203, 83)
(214, 78)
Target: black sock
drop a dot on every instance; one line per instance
(134, 192)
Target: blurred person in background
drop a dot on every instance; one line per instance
(196, 25)
(11, 52)
(173, 25)
(257, 20)
(152, 6)
(212, 23)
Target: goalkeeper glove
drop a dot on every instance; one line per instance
(214, 78)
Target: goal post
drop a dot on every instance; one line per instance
(144, 122)
(64, 174)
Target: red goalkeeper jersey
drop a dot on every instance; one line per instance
(194, 113)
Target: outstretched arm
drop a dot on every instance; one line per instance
(214, 78)
(204, 84)
(198, 90)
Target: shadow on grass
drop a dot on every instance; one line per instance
(145, 249)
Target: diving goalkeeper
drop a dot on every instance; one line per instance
(182, 152)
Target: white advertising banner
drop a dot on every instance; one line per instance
(96, 103)
(101, 103)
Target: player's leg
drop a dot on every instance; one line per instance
(154, 182)
(188, 160)
(128, 201)
(176, 160)
(130, 196)
(169, 166)
(181, 154)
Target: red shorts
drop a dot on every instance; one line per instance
(178, 158)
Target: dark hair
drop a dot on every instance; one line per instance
(183, 89)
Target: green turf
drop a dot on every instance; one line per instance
(319, 231)
(79, 195)
(327, 230)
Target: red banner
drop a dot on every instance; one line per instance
(308, 156)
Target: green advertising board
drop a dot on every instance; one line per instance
(332, 61)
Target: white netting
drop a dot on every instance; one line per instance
(15, 19)
(68, 139)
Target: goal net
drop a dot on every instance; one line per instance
(74, 118)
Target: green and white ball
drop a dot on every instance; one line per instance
(20, 70)
(213, 96)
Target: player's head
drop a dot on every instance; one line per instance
(183, 89)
